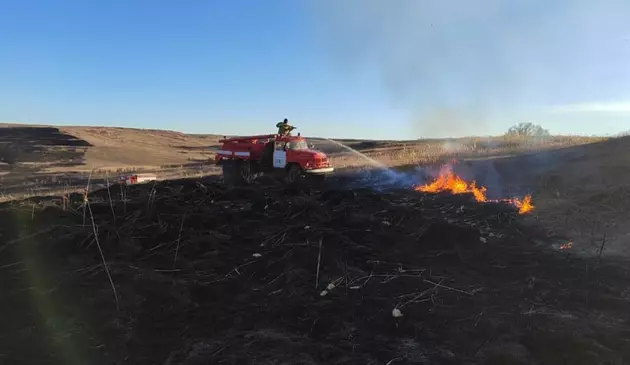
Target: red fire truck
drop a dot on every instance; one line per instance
(243, 159)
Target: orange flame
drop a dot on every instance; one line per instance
(447, 181)
(525, 205)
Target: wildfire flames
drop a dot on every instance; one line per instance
(447, 181)
(525, 205)
(566, 246)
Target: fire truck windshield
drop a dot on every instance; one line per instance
(298, 145)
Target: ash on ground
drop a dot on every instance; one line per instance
(207, 274)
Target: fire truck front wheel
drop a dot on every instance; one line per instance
(294, 174)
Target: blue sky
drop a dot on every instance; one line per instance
(340, 68)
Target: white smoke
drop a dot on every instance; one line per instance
(457, 65)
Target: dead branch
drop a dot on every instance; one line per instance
(179, 237)
(319, 260)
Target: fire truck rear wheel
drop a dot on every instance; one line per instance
(231, 173)
(227, 169)
(246, 172)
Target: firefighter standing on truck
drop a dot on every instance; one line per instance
(284, 128)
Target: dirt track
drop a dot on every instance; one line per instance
(207, 275)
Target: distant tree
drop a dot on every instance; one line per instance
(527, 129)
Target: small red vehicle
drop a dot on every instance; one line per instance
(289, 157)
(137, 179)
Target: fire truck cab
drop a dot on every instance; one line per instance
(245, 158)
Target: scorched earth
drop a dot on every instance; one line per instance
(200, 273)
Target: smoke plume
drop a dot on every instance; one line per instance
(457, 66)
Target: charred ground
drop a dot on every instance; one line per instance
(206, 274)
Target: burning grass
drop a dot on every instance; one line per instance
(209, 274)
(447, 181)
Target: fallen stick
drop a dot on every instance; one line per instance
(109, 195)
(447, 287)
(601, 248)
(179, 237)
(319, 260)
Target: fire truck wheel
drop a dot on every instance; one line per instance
(246, 173)
(231, 173)
(294, 174)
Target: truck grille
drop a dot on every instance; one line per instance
(321, 162)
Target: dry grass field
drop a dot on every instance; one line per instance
(62, 157)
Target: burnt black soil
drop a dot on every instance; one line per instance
(25, 151)
(206, 274)
(41, 144)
